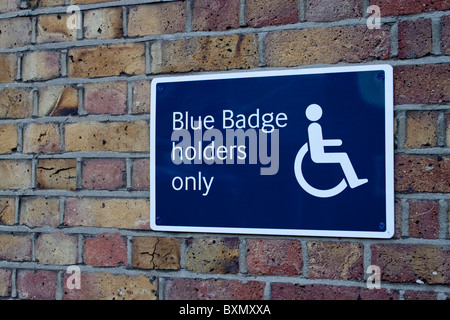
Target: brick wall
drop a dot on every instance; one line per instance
(74, 151)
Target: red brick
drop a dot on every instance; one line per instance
(408, 263)
(419, 295)
(261, 13)
(421, 173)
(290, 291)
(141, 174)
(5, 282)
(414, 39)
(36, 285)
(213, 289)
(15, 247)
(106, 250)
(215, 15)
(423, 219)
(401, 7)
(274, 257)
(422, 84)
(103, 174)
(332, 10)
(106, 98)
(56, 248)
(445, 35)
(335, 260)
(141, 96)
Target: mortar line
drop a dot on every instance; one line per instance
(59, 285)
(20, 137)
(301, 10)
(262, 48)
(401, 129)
(16, 210)
(35, 102)
(125, 21)
(80, 94)
(441, 130)
(129, 172)
(64, 63)
(189, 15)
(14, 283)
(62, 210)
(394, 40)
(405, 218)
(242, 13)
(443, 219)
(243, 268)
(304, 257)
(79, 182)
(436, 35)
(148, 58)
(129, 251)
(19, 67)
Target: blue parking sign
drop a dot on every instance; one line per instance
(294, 152)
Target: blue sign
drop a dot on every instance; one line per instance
(298, 152)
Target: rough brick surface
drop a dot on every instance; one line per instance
(15, 247)
(36, 285)
(106, 250)
(15, 32)
(213, 255)
(57, 101)
(276, 257)
(53, 28)
(156, 253)
(213, 289)
(215, 15)
(5, 282)
(7, 208)
(141, 97)
(109, 136)
(157, 18)
(445, 35)
(423, 219)
(103, 174)
(141, 174)
(103, 23)
(107, 60)
(8, 65)
(409, 263)
(36, 212)
(108, 213)
(16, 103)
(261, 13)
(421, 174)
(426, 84)
(41, 65)
(16, 174)
(335, 10)
(400, 7)
(335, 260)
(57, 174)
(56, 248)
(106, 98)
(205, 54)
(42, 138)
(8, 138)
(414, 39)
(326, 45)
(105, 286)
(421, 129)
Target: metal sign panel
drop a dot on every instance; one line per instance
(298, 152)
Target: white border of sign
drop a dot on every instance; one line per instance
(389, 145)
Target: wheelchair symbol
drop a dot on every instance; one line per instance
(318, 155)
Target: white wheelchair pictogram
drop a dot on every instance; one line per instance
(318, 155)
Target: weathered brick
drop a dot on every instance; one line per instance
(400, 7)
(445, 35)
(409, 263)
(213, 289)
(105, 286)
(141, 174)
(108, 213)
(56, 248)
(56, 174)
(89, 1)
(16, 174)
(8, 138)
(8, 65)
(15, 247)
(41, 138)
(33, 4)
(103, 23)
(290, 291)
(141, 97)
(335, 260)
(213, 255)
(157, 18)
(106, 98)
(106, 250)
(156, 253)
(447, 120)
(5, 282)
(7, 208)
(36, 212)
(103, 174)
(9, 6)
(423, 219)
(107, 60)
(36, 285)
(53, 28)
(414, 39)
(422, 84)
(274, 257)
(15, 32)
(261, 13)
(421, 129)
(215, 15)
(421, 173)
(40, 65)
(420, 295)
(16, 103)
(326, 45)
(205, 54)
(334, 10)
(56, 101)
(109, 136)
